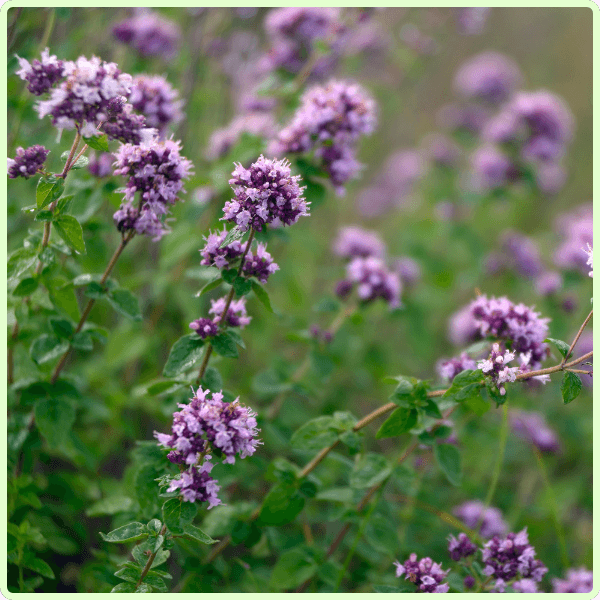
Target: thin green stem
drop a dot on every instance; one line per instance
(498, 466)
(359, 534)
(222, 318)
(564, 555)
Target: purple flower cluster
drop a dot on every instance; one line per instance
(449, 369)
(461, 547)
(507, 558)
(491, 168)
(266, 193)
(260, 264)
(90, 92)
(206, 423)
(408, 269)
(41, 75)
(329, 122)
(576, 232)
(548, 283)
(489, 520)
(155, 98)
(354, 241)
(590, 260)
(222, 140)
(127, 127)
(495, 367)
(532, 427)
(214, 255)
(425, 574)
(489, 76)
(519, 326)
(205, 327)
(462, 329)
(27, 162)
(157, 171)
(578, 581)
(372, 279)
(293, 31)
(236, 316)
(150, 34)
(196, 485)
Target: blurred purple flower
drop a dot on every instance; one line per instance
(101, 165)
(471, 20)
(576, 231)
(522, 252)
(354, 241)
(578, 581)
(150, 34)
(408, 269)
(489, 76)
(474, 511)
(532, 427)
(548, 283)
(222, 140)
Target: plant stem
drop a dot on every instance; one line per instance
(498, 466)
(222, 321)
(71, 154)
(564, 555)
(564, 360)
(382, 410)
(113, 261)
(150, 560)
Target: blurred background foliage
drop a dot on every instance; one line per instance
(553, 48)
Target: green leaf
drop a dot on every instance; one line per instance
(64, 299)
(224, 344)
(123, 588)
(242, 286)
(570, 386)
(464, 378)
(229, 275)
(48, 189)
(316, 193)
(70, 231)
(95, 291)
(43, 215)
(316, 434)
(176, 514)
(431, 409)
(40, 566)
(98, 142)
(370, 470)
(126, 303)
(232, 235)
(211, 285)
(110, 506)
(54, 418)
(269, 383)
(386, 589)
(63, 203)
(144, 588)
(126, 533)
(281, 505)
(236, 337)
(26, 287)
(212, 379)
(83, 341)
(262, 296)
(80, 163)
(193, 533)
(47, 347)
(292, 569)
(562, 347)
(160, 387)
(399, 422)
(19, 261)
(448, 459)
(184, 353)
(62, 328)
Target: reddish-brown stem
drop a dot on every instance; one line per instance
(71, 154)
(564, 360)
(222, 318)
(150, 560)
(86, 312)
